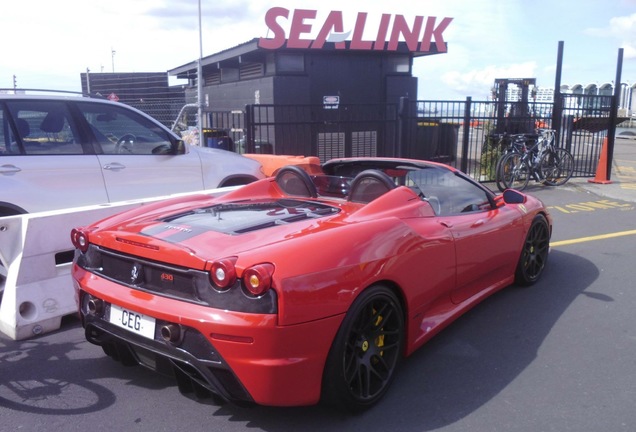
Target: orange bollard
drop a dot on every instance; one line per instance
(601, 168)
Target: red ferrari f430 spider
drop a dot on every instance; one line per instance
(303, 288)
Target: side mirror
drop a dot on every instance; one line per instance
(179, 148)
(512, 196)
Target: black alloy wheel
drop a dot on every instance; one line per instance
(535, 252)
(366, 351)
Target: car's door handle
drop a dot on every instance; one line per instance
(9, 169)
(447, 224)
(479, 222)
(114, 166)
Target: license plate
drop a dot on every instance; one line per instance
(132, 321)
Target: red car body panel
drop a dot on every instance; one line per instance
(263, 354)
(440, 266)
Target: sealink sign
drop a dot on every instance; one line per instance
(419, 35)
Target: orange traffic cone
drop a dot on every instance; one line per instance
(601, 168)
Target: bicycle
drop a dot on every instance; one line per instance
(542, 161)
(510, 143)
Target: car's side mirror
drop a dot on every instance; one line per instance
(512, 196)
(179, 148)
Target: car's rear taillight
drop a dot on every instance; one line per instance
(223, 273)
(79, 238)
(258, 279)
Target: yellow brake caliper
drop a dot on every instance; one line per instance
(379, 341)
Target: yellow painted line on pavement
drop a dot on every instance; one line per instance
(593, 238)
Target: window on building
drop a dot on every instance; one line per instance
(290, 62)
(399, 64)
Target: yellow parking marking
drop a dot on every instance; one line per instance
(591, 206)
(593, 238)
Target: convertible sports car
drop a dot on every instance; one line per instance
(300, 288)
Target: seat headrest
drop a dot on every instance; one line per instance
(369, 185)
(53, 122)
(295, 181)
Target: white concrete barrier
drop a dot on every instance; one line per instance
(36, 252)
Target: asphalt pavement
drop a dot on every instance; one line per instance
(622, 175)
(555, 357)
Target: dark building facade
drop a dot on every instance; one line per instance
(342, 100)
(248, 74)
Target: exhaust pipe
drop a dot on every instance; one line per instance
(171, 333)
(95, 306)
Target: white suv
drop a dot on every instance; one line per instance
(61, 152)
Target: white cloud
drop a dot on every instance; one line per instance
(159, 35)
(621, 28)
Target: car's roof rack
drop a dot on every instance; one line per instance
(32, 90)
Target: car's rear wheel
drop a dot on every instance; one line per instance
(535, 252)
(365, 352)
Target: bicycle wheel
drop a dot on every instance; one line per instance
(556, 167)
(515, 172)
(498, 173)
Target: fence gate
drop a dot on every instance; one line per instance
(585, 123)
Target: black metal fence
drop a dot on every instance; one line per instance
(466, 134)
(459, 133)
(584, 127)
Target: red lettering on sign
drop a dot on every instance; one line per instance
(380, 40)
(418, 36)
(411, 36)
(332, 23)
(434, 32)
(356, 40)
(298, 27)
(279, 33)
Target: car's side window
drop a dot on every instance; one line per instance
(465, 197)
(43, 128)
(447, 193)
(121, 131)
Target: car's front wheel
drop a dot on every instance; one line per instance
(535, 252)
(366, 351)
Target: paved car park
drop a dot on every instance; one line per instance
(558, 356)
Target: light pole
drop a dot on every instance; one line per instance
(112, 58)
(200, 82)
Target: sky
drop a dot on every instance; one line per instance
(48, 44)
